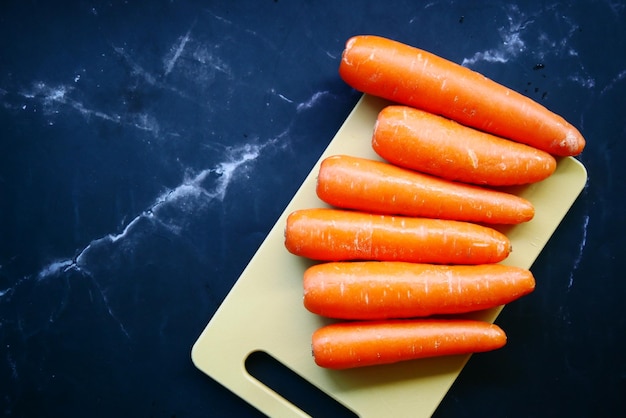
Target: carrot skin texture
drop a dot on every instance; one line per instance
(414, 77)
(341, 235)
(374, 186)
(373, 290)
(353, 344)
(432, 144)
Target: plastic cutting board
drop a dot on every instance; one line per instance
(264, 311)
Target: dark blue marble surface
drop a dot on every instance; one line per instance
(146, 149)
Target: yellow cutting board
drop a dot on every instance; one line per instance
(264, 311)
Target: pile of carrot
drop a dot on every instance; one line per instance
(408, 242)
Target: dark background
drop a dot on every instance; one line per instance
(147, 148)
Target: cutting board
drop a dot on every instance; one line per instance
(264, 311)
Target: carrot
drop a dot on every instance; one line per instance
(341, 235)
(432, 144)
(384, 290)
(414, 77)
(373, 186)
(346, 345)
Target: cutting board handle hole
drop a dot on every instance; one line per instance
(293, 387)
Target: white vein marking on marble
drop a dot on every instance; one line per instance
(191, 187)
(579, 256)
(512, 43)
(107, 305)
(62, 266)
(199, 66)
(244, 29)
(617, 7)
(585, 81)
(52, 97)
(142, 73)
(205, 57)
(281, 96)
(137, 69)
(5, 294)
(618, 78)
(331, 55)
(313, 100)
(145, 122)
(54, 268)
(12, 366)
(426, 6)
(221, 18)
(562, 48)
(170, 62)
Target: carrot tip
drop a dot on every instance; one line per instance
(573, 142)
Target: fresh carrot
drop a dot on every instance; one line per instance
(385, 290)
(432, 144)
(353, 344)
(341, 235)
(417, 78)
(374, 186)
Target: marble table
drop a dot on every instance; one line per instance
(147, 148)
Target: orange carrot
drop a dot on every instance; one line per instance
(366, 343)
(341, 235)
(407, 75)
(384, 290)
(373, 186)
(432, 144)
